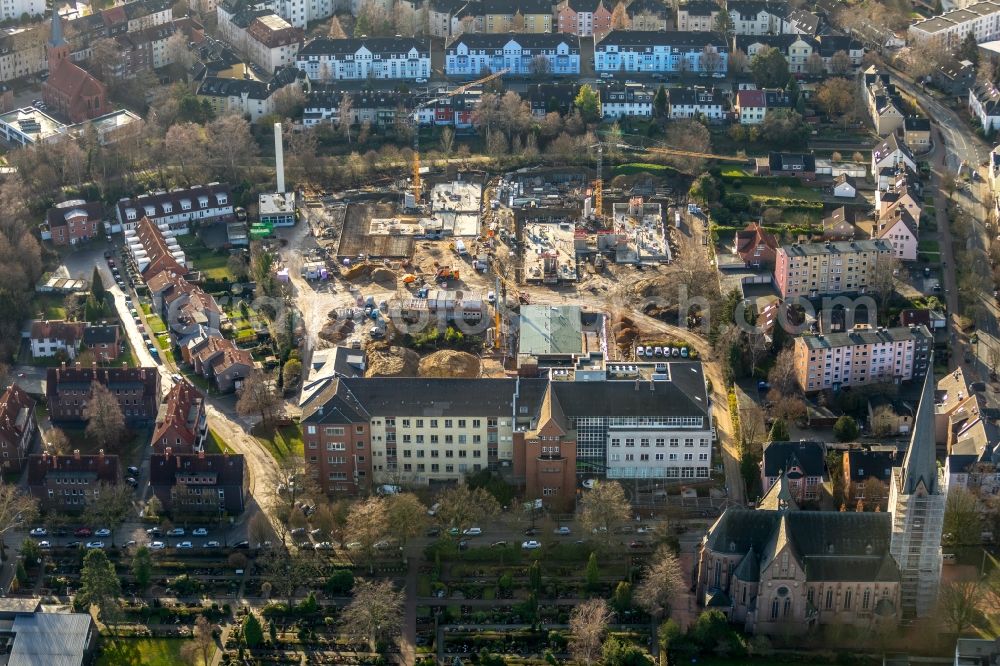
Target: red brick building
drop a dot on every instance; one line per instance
(17, 427)
(213, 484)
(545, 456)
(68, 483)
(103, 341)
(70, 90)
(68, 389)
(72, 222)
(182, 425)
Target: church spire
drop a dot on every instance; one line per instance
(920, 463)
(56, 36)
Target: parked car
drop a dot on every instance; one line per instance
(323, 545)
(132, 481)
(242, 545)
(177, 531)
(153, 531)
(562, 530)
(473, 531)
(95, 544)
(530, 545)
(298, 531)
(201, 531)
(157, 545)
(44, 544)
(82, 532)
(134, 471)
(39, 532)
(103, 532)
(212, 544)
(433, 532)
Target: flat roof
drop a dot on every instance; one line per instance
(550, 329)
(52, 639)
(34, 123)
(276, 202)
(866, 337)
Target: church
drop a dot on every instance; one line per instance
(780, 570)
(71, 90)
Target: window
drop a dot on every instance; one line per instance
(829, 599)
(847, 600)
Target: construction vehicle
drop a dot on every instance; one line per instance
(417, 182)
(445, 273)
(409, 278)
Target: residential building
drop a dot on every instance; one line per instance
(324, 59)
(917, 500)
(758, 17)
(22, 52)
(984, 105)
(898, 227)
(559, 98)
(49, 338)
(103, 341)
(754, 246)
(839, 225)
(67, 483)
(802, 464)
(273, 43)
(154, 252)
(889, 416)
(861, 468)
(934, 320)
(817, 269)
(74, 221)
(380, 108)
(697, 16)
(70, 89)
(802, 22)
(796, 49)
(954, 77)
(697, 101)
(506, 16)
(781, 571)
(652, 422)
(799, 165)
(917, 133)
(750, 107)
(627, 100)
(948, 30)
(18, 427)
(247, 97)
(185, 307)
(441, 14)
(583, 18)
(211, 485)
(40, 636)
(177, 208)
(648, 15)
(976, 651)
(844, 187)
(67, 390)
(883, 102)
(830, 45)
(470, 55)
(181, 425)
(861, 356)
(643, 51)
(889, 156)
(14, 10)
(219, 360)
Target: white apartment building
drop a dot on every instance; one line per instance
(325, 59)
(630, 99)
(982, 19)
(272, 42)
(177, 207)
(697, 101)
(861, 356)
(984, 104)
(757, 17)
(646, 51)
(14, 9)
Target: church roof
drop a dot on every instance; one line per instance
(748, 570)
(779, 496)
(920, 463)
(73, 81)
(56, 36)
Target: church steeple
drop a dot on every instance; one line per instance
(56, 34)
(920, 463)
(56, 50)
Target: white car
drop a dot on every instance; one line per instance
(639, 351)
(103, 532)
(39, 531)
(157, 545)
(44, 544)
(491, 296)
(606, 75)
(129, 543)
(420, 80)
(473, 531)
(212, 544)
(531, 545)
(324, 545)
(563, 531)
(177, 531)
(95, 544)
(201, 531)
(354, 545)
(185, 545)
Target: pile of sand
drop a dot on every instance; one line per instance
(384, 276)
(651, 287)
(337, 330)
(448, 363)
(386, 361)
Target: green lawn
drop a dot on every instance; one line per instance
(783, 194)
(156, 324)
(146, 308)
(142, 652)
(214, 443)
(49, 306)
(283, 442)
(214, 266)
(928, 246)
(162, 342)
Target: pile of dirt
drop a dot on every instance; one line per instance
(651, 287)
(448, 363)
(384, 276)
(337, 330)
(356, 271)
(386, 361)
(624, 330)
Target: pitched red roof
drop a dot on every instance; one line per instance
(181, 414)
(70, 332)
(750, 98)
(16, 407)
(73, 81)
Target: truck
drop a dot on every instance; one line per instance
(460, 248)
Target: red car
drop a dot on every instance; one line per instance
(82, 532)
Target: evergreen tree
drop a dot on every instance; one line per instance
(253, 633)
(779, 431)
(661, 102)
(97, 285)
(593, 574)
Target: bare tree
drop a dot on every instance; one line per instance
(178, 52)
(288, 573)
(344, 113)
(753, 430)
(840, 63)
(105, 422)
(662, 584)
(336, 29)
(711, 60)
(962, 526)
(17, 508)
(884, 276)
(367, 524)
(959, 604)
(406, 516)
(783, 377)
(232, 145)
(588, 623)
(603, 508)
(756, 348)
(289, 101)
(259, 529)
(689, 135)
(109, 506)
(259, 398)
(56, 442)
(202, 642)
(462, 507)
(375, 614)
(184, 147)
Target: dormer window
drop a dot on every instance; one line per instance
(185, 204)
(150, 211)
(203, 202)
(168, 208)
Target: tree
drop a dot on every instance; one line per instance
(621, 598)
(592, 574)
(815, 64)
(704, 189)
(105, 57)
(289, 101)
(769, 68)
(203, 642)
(259, 529)
(783, 127)
(105, 422)
(883, 280)
(662, 583)
(184, 147)
(368, 523)
(723, 22)
(462, 507)
(232, 145)
(258, 398)
(845, 429)
(840, 63)
(958, 603)
(779, 431)
(617, 652)
(253, 633)
(178, 53)
(97, 285)
(837, 96)
(690, 135)
(969, 49)
(588, 624)
(661, 103)
(345, 114)
(291, 373)
(375, 613)
(738, 61)
(57, 442)
(447, 140)
(711, 60)
(142, 567)
(588, 103)
(406, 516)
(962, 526)
(110, 505)
(619, 17)
(540, 67)
(604, 508)
(99, 584)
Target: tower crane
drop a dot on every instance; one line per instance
(417, 182)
